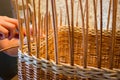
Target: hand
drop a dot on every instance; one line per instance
(8, 27)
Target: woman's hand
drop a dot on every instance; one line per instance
(8, 27)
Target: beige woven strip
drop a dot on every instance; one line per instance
(10, 47)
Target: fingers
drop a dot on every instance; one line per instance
(9, 25)
(3, 32)
(11, 20)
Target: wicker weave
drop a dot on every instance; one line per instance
(31, 67)
(96, 42)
